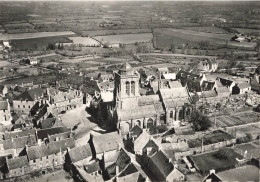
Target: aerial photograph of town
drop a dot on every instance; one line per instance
(129, 91)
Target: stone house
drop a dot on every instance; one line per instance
(52, 134)
(137, 139)
(25, 101)
(241, 88)
(255, 83)
(107, 143)
(163, 169)
(49, 155)
(17, 167)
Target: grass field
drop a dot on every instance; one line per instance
(4, 63)
(114, 32)
(207, 161)
(125, 38)
(34, 35)
(85, 41)
(37, 43)
(208, 29)
(166, 37)
(253, 149)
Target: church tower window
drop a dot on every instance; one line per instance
(133, 87)
(127, 86)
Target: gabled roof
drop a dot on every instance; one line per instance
(47, 123)
(79, 153)
(31, 95)
(244, 85)
(209, 94)
(126, 67)
(226, 82)
(148, 99)
(107, 142)
(43, 133)
(19, 134)
(37, 152)
(175, 84)
(18, 162)
(163, 69)
(20, 142)
(92, 167)
(132, 172)
(2, 88)
(135, 132)
(161, 161)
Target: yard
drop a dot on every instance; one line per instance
(237, 119)
(125, 38)
(207, 161)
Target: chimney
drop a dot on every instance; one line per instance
(117, 170)
(212, 171)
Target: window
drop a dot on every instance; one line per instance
(127, 86)
(171, 114)
(133, 87)
(23, 106)
(18, 106)
(34, 161)
(29, 107)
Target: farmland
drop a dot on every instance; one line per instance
(34, 35)
(208, 29)
(208, 161)
(166, 37)
(37, 43)
(125, 38)
(114, 32)
(237, 119)
(84, 41)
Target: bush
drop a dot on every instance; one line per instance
(221, 154)
(200, 122)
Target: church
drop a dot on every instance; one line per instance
(169, 106)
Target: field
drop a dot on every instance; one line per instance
(4, 63)
(248, 31)
(125, 38)
(208, 29)
(252, 129)
(166, 37)
(237, 119)
(114, 32)
(34, 35)
(207, 161)
(37, 43)
(85, 41)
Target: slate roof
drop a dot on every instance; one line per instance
(17, 162)
(136, 131)
(161, 161)
(132, 172)
(92, 167)
(31, 94)
(19, 134)
(59, 135)
(137, 113)
(107, 142)
(148, 99)
(244, 85)
(222, 90)
(79, 153)
(43, 133)
(36, 152)
(209, 94)
(20, 142)
(3, 105)
(47, 123)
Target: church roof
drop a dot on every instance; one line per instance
(126, 67)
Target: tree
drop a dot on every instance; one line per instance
(222, 154)
(241, 67)
(173, 49)
(200, 121)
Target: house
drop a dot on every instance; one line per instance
(7, 44)
(34, 61)
(169, 76)
(25, 101)
(3, 90)
(5, 113)
(16, 145)
(137, 139)
(163, 70)
(48, 155)
(64, 99)
(241, 88)
(223, 92)
(17, 167)
(163, 169)
(47, 123)
(44, 134)
(79, 155)
(227, 83)
(106, 143)
(17, 134)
